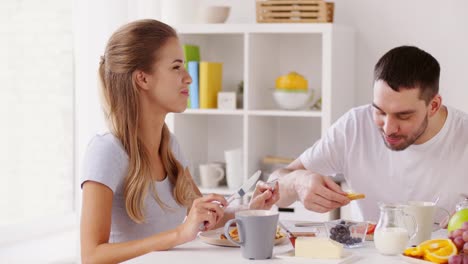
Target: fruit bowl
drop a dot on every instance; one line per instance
(349, 233)
(291, 100)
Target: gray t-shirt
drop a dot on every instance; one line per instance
(106, 162)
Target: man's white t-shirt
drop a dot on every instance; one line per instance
(354, 147)
(106, 162)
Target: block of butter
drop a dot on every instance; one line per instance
(318, 247)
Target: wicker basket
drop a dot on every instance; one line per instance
(294, 11)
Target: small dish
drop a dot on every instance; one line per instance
(349, 233)
(291, 100)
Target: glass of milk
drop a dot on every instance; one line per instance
(391, 235)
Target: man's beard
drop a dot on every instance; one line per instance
(407, 140)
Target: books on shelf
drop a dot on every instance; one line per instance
(206, 79)
(192, 54)
(192, 68)
(210, 83)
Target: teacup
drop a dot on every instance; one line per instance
(211, 175)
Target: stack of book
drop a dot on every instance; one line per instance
(206, 76)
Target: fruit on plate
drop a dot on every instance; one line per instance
(460, 239)
(292, 82)
(370, 230)
(457, 220)
(434, 250)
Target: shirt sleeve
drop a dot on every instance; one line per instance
(327, 155)
(105, 162)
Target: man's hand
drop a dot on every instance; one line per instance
(319, 193)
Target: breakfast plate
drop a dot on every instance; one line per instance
(213, 237)
(348, 257)
(414, 260)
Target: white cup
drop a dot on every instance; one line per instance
(234, 168)
(210, 175)
(423, 213)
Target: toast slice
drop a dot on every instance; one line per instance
(355, 196)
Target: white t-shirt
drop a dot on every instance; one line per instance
(354, 147)
(106, 162)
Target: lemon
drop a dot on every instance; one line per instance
(292, 82)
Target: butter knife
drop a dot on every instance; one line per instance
(240, 192)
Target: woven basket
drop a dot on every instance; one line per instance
(294, 11)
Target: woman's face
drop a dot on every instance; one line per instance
(168, 83)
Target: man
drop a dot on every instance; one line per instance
(405, 146)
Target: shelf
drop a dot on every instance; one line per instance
(258, 54)
(254, 28)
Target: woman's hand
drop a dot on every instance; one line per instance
(264, 196)
(205, 212)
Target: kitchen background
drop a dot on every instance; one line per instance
(49, 105)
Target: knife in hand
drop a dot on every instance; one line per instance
(239, 193)
(245, 187)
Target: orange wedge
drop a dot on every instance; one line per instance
(414, 252)
(438, 250)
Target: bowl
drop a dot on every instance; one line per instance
(213, 14)
(291, 100)
(349, 233)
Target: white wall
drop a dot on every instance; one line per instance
(438, 27)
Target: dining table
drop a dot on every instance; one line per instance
(199, 252)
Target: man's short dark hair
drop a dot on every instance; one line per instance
(409, 67)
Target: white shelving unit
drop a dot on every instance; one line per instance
(258, 54)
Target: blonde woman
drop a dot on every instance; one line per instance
(137, 189)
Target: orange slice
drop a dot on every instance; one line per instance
(438, 250)
(414, 252)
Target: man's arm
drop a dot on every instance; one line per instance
(318, 193)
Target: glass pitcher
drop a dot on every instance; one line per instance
(391, 235)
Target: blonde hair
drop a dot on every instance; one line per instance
(135, 46)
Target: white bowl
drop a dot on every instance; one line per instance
(291, 100)
(213, 14)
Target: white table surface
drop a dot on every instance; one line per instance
(199, 252)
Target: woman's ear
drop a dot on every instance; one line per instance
(141, 79)
(435, 105)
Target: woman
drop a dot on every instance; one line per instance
(137, 189)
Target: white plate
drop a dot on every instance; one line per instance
(415, 260)
(212, 237)
(348, 257)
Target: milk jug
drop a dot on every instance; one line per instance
(391, 235)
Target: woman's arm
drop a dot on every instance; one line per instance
(95, 231)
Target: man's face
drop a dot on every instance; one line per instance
(402, 117)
